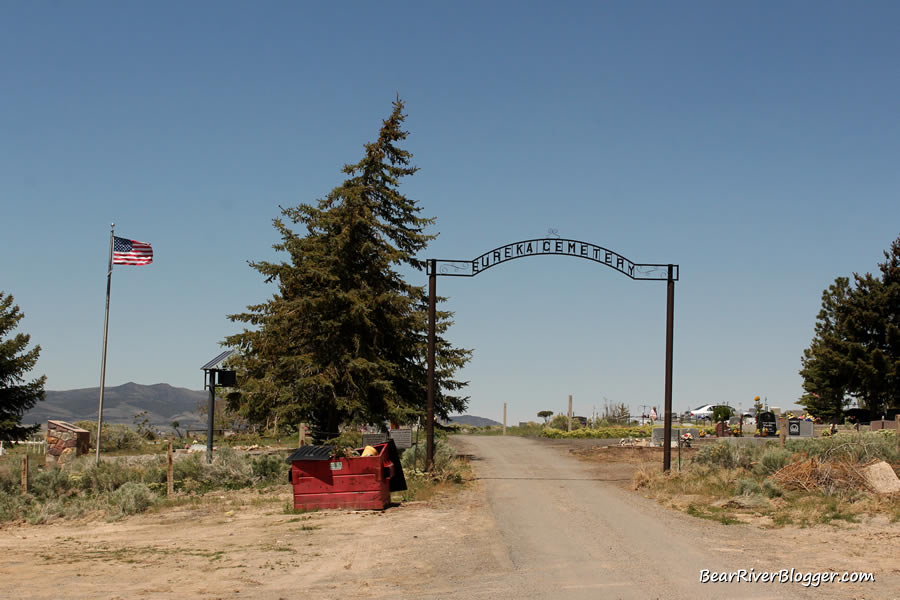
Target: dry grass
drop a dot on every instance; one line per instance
(759, 488)
(813, 475)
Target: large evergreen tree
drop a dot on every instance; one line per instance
(343, 339)
(855, 352)
(827, 370)
(16, 395)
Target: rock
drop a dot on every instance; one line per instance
(880, 477)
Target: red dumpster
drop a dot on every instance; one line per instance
(356, 482)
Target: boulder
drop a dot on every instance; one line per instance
(880, 477)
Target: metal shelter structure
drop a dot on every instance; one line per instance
(544, 247)
(214, 377)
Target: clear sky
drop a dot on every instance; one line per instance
(755, 144)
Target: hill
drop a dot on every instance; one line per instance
(473, 421)
(162, 402)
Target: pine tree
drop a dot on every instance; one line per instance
(16, 396)
(343, 339)
(874, 328)
(855, 352)
(827, 371)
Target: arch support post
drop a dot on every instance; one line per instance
(670, 316)
(429, 409)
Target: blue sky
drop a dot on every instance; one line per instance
(755, 144)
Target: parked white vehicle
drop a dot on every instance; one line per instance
(705, 411)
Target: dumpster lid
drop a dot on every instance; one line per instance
(310, 453)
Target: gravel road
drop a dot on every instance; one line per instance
(570, 534)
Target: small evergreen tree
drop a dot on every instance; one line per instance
(344, 338)
(16, 395)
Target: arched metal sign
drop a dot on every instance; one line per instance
(549, 247)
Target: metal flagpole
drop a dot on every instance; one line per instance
(105, 329)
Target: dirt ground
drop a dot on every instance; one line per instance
(246, 545)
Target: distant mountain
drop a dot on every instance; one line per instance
(473, 421)
(162, 402)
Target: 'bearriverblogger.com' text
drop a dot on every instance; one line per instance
(804, 578)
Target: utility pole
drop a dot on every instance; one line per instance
(504, 418)
(570, 413)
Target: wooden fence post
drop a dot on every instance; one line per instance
(25, 474)
(301, 435)
(897, 421)
(782, 428)
(170, 478)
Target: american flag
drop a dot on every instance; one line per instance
(131, 252)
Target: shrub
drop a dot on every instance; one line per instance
(856, 447)
(771, 489)
(110, 474)
(269, 468)
(125, 485)
(347, 439)
(602, 433)
(116, 436)
(188, 467)
(413, 459)
(561, 422)
(726, 455)
(131, 498)
(772, 459)
(230, 468)
(12, 507)
(50, 483)
(722, 413)
(747, 487)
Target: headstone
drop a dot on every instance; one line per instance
(402, 438)
(800, 428)
(657, 436)
(767, 424)
(722, 430)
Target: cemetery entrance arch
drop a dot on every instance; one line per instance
(544, 247)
